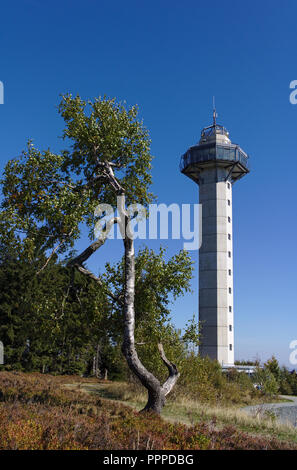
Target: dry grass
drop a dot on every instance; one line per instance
(46, 412)
(190, 412)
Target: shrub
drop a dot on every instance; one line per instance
(202, 379)
(267, 381)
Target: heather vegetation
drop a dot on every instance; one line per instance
(39, 411)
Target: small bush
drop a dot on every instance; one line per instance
(202, 379)
(267, 381)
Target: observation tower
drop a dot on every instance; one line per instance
(215, 164)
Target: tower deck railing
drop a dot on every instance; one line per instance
(213, 152)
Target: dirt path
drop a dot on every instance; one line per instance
(285, 412)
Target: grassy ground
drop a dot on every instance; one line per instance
(191, 412)
(39, 411)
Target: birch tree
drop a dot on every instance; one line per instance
(48, 197)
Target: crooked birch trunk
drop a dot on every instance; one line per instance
(156, 391)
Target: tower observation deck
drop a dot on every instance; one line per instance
(215, 164)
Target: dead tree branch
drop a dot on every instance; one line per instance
(53, 252)
(173, 372)
(85, 255)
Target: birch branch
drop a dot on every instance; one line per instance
(97, 279)
(85, 255)
(80, 259)
(108, 173)
(52, 253)
(173, 372)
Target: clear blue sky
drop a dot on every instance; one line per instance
(171, 57)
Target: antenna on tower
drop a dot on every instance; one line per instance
(214, 111)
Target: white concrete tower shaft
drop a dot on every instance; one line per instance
(215, 164)
(216, 267)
